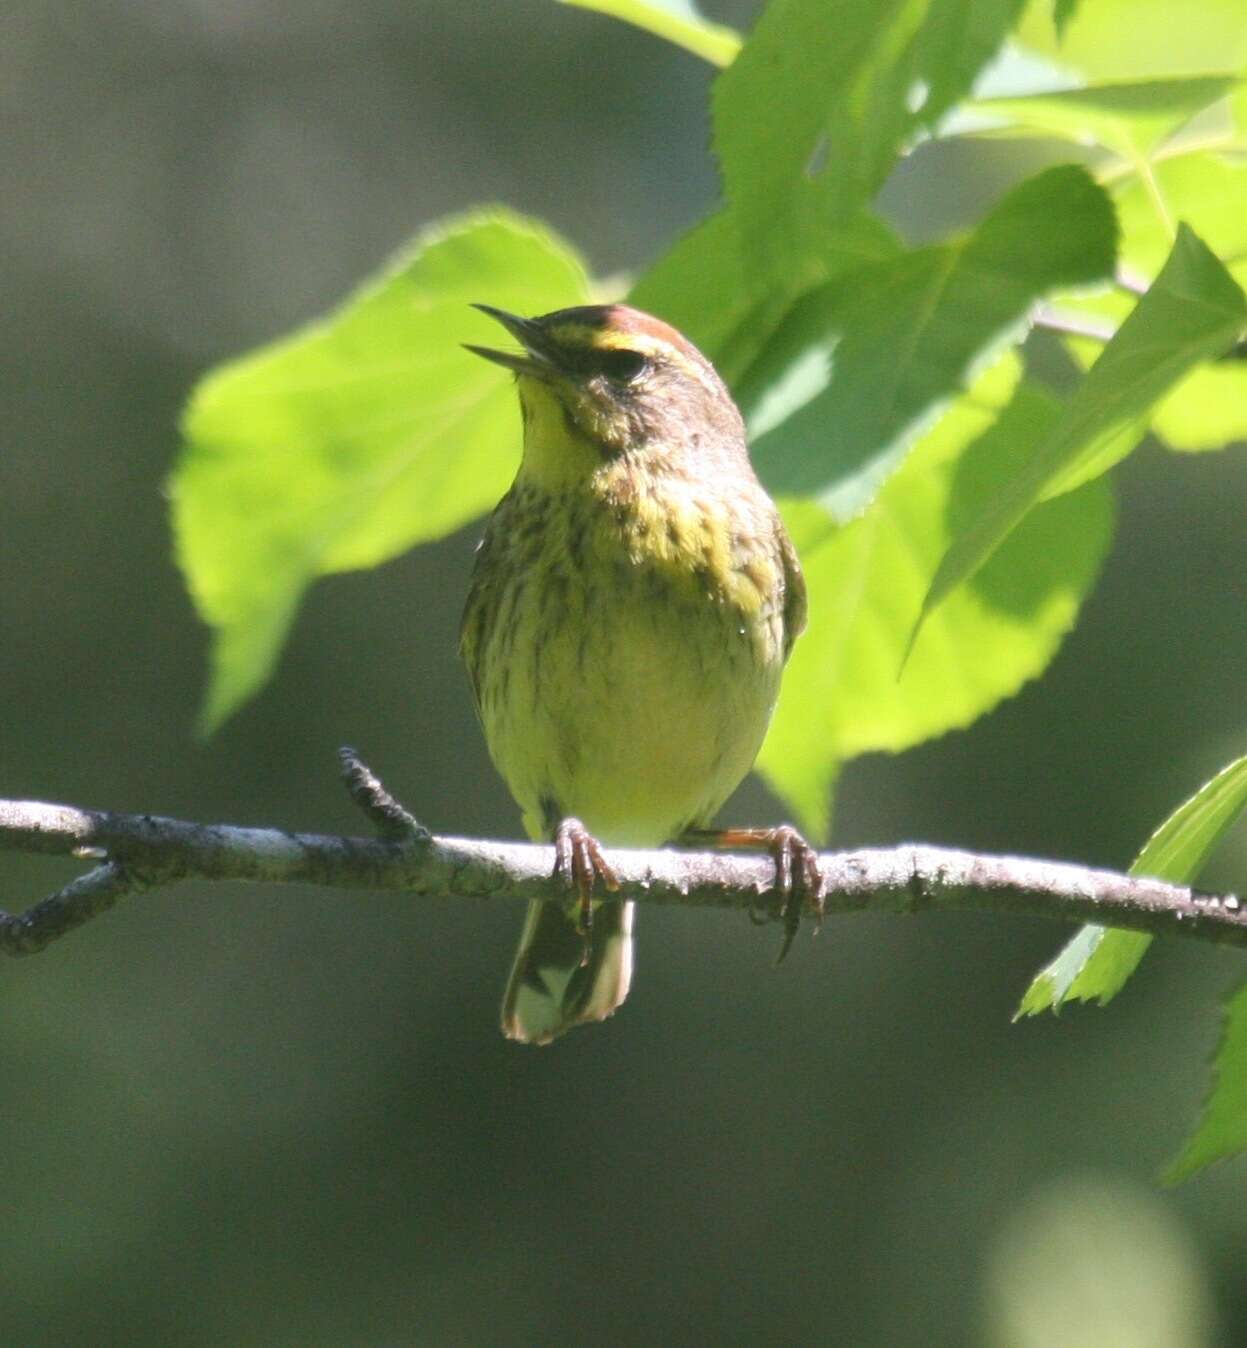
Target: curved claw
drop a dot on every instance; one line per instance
(579, 863)
(798, 878)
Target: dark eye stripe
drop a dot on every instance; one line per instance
(570, 351)
(618, 364)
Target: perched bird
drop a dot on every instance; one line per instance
(633, 603)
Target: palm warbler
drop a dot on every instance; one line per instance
(632, 605)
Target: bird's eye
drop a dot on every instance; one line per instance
(621, 366)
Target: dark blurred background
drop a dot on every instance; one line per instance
(260, 1117)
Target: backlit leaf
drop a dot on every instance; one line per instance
(898, 340)
(678, 21)
(841, 695)
(1207, 409)
(1192, 312)
(1097, 961)
(1127, 117)
(809, 119)
(344, 444)
(1137, 39)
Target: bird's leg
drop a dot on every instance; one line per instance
(578, 862)
(797, 877)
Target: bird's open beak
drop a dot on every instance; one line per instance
(534, 360)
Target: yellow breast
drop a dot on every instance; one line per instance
(626, 646)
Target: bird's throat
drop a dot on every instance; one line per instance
(558, 453)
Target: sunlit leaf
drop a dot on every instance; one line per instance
(1208, 408)
(1097, 961)
(841, 693)
(677, 21)
(810, 117)
(706, 287)
(344, 444)
(1062, 12)
(1208, 191)
(897, 340)
(1129, 118)
(1137, 39)
(1191, 313)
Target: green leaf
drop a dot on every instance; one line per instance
(1207, 189)
(1192, 312)
(1062, 12)
(810, 117)
(707, 289)
(897, 340)
(676, 20)
(774, 106)
(1135, 39)
(344, 444)
(841, 694)
(1111, 956)
(1128, 117)
(1097, 961)
(1208, 408)
(1222, 1129)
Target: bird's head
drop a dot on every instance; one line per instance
(604, 380)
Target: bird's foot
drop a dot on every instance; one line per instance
(798, 879)
(579, 864)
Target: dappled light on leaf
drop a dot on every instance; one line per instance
(904, 335)
(810, 117)
(841, 695)
(1192, 313)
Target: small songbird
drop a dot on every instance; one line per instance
(633, 603)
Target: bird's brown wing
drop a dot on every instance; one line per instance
(796, 606)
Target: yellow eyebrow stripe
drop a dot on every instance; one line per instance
(609, 339)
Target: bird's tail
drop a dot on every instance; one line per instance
(554, 984)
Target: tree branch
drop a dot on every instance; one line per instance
(140, 852)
